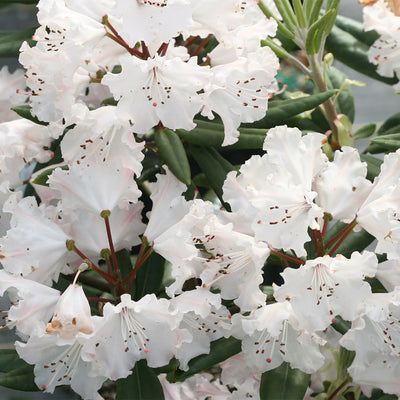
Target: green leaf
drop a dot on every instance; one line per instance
(340, 325)
(212, 134)
(373, 166)
(10, 43)
(149, 277)
(25, 112)
(312, 9)
(143, 384)
(42, 178)
(284, 383)
(280, 112)
(354, 53)
(287, 14)
(110, 101)
(220, 350)
(214, 166)
(391, 123)
(301, 18)
(318, 32)
(276, 48)
(174, 155)
(124, 261)
(387, 142)
(377, 394)
(356, 29)
(10, 360)
(365, 131)
(345, 101)
(20, 379)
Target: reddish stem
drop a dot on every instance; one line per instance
(117, 38)
(102, 299)
(340, 241)
(292, 259)
(201, 45)
(146, 51)
(338, 389)
(338, 235)
(163, 49)
(191, 41)
(109, 278)
(139, 263)
(325, 227)
(112, 249)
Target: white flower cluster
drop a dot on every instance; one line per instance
(384, 17)
(144, 54)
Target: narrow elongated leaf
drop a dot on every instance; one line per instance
(312, 9)
(301, 18)
(149, 277)
(287, 14)
(373, 166)
(214, 166)
(318, 31)
(365, 131)
(388, 142)
(284, 383)
(220, 350)
(391, 123)
(212, 134)
(10, 360)
(354, 53)
(20, 379)
(174, 155)
(276, 48)
(10, 43)
(143, 384)
(25, 112)
(280, 112)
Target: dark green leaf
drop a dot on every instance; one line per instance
(9, 360)
(373, 166)
(214, 166)
(10, 43)
(356, 29)
(281, 111)
(124, 260)
(20, 379)
(365, 131)
(24, 111)
(391, 123)
(340, 325)
(220, 350)
(387, 142)
(44, 176)
(212, 134)
(377, 394)
(149, 277)
(345, 101)
(143, 384)
(284, 383)
(174, 155)
(354, 53)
